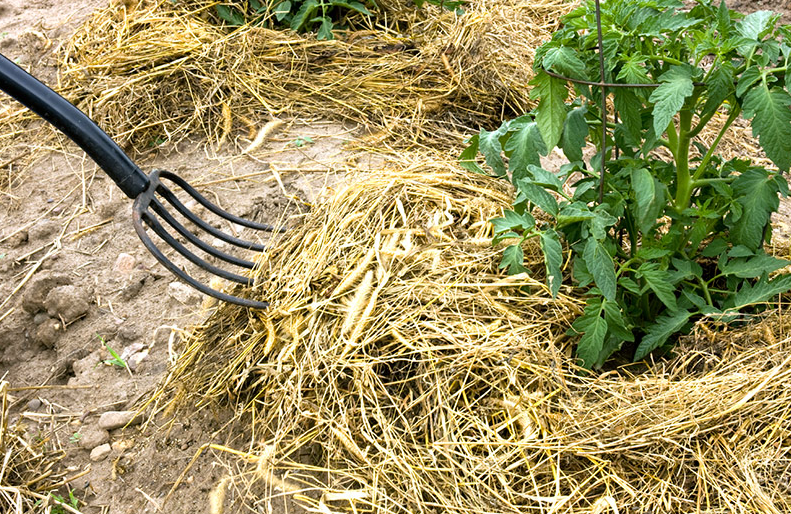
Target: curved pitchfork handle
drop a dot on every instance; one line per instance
(55, 109)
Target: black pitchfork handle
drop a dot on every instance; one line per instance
(55, 109)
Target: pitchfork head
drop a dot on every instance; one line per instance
(150, 211)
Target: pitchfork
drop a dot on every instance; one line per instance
(149, 193)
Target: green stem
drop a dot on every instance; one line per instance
(706, 181)
(683, 178)
(735, 111)
(705, 289)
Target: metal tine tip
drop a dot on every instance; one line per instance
(149, 210)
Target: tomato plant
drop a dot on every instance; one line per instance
(655, 243)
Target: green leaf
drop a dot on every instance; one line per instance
(467, 157)
(615, 322)
(564, 60)
(491, 148)
(771, 122)
(512, 220)
(656, 335)
(762, 291)
(575, 132)
(719, 85)
(282, 10)
(750, 76)
(633, 71)
(660, 283)
(304, 13)
(649, 197)
(553, 259)
(573, 213)
(593, 329)
(601, 266)
(757, 193)
(353, 6)
(629, 107)
(524, 148)
(551, 110)
(715, 248)
(230, 15)
(513, 259)
(754, 267)
(668, 98)
(754, 24)
(325, 30)
(537, 195)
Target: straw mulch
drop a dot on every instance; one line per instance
(398, 371)
(162, 70)
(28, 467)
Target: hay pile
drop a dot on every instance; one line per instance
(398, 371)
(28, 468)
(164, 70)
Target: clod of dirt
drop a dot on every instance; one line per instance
(136, 281)
(111, 420)
(122, 445)
(101, 452)
(92, 436)
(18, 239)
(108, 209)
(86, 363)
(33, 405)
(184, 294)
(67, 302)
(124, 264)
(129, 332)
(43, 229)
(47, 333)
(38, 289)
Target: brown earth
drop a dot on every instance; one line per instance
(73, 275)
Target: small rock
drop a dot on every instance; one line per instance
(66, 302)
(43, 229)
(101, 452)
(122, 445)
(18, 239)
(33, 405)
(134, 361)
(40, 318)
(117, 419)
(132, 349)
(47, 333)
(129, 332)
(184, 294)
(38, 289)
(92, 437)
(124, 264)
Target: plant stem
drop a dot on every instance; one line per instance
(735, 111)
(683, 178)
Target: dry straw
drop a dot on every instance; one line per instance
(452, 389)
(29, 468)
(152, 70)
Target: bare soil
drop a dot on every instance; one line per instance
(74, 277)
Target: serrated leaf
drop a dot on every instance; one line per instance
(553, 259)
(754, 24)
(325, 30)
(467, 157)
(676, 85)
(660, 283)
(740, 251)
(575, 133)
(629, 106)
(719, 85)
(771, 122)
(761, 291)
(551, 109)
(757, 193)
(753, 267)
(649, 197)
(601, 266)
(230, 15)
(544, 178)
(513, 260)
(515, 220)
(630, 285)
(282, 10)
(650, 254)
(538, 196)
(564, 60)
(715, 248)
(615, 322)
(592, 341)
(354, 6)
(491, 148)
(524, 148)
(750, 76)
(303, 14)
(663, 327)
(573, 213)
(633, 71)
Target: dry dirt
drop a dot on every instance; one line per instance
(66, 235)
